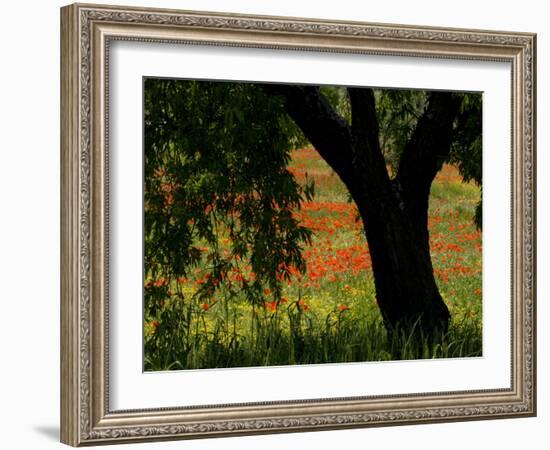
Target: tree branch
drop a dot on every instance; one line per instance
(368, 157)
(329, 133)
(354, 151)
(426, 151)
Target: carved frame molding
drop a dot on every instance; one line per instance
(86, 32)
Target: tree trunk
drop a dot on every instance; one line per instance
(406, 290)
(396, 228)
(394, 212)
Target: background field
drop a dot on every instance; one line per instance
(329, 314)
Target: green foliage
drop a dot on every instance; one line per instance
(398, 111)
(338, 98)
(467, 149)
(216, 157)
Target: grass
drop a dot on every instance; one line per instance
(330, 314)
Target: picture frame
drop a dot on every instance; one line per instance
(87, 33)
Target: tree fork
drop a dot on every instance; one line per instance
(394, 212)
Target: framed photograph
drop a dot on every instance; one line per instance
(275, 224)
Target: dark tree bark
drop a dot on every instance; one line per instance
(394, 212)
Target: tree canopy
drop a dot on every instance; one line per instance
(215, 169)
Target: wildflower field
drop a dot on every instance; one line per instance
(329, 313)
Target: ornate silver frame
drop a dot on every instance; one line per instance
(86, 31)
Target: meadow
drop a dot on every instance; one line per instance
(328, 314)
